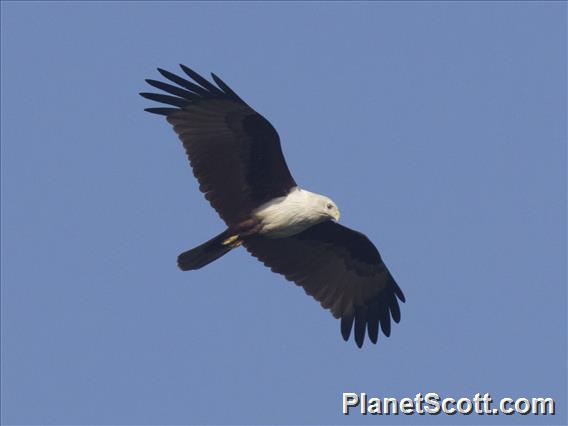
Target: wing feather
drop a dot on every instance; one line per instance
(173, 90)
(342, 270)
(202, 82)
(235, 153)
(183, 82)
(166, 99)
(225, 87)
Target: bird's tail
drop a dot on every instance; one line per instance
(209, 251)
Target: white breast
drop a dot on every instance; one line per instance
(289, 215)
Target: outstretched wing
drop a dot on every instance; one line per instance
(342, 270)
(235, 153)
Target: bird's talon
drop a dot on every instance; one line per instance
(229, 241)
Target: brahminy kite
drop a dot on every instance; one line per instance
(237, 159)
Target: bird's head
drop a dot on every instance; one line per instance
(330, 209)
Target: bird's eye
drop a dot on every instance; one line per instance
(329, 206)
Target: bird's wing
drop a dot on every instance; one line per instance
(235, 153)
(342, 270)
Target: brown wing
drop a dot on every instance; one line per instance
(235, 153)
(342, 270)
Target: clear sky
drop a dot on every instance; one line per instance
(438, 128)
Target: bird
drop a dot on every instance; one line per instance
(237, 159)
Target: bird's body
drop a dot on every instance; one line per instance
(236, 157)
(294, 213)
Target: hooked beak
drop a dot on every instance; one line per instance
(336, 216)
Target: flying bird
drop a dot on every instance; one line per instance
(236, 156)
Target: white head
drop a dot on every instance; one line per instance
(329, 208)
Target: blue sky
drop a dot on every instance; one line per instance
(438, 128)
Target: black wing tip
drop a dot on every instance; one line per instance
(372, 317)
(399, 293)
(346, 326)
(225, 88)
(192, 73)
(186, 69)
(356, 322)
(396, 289)
(386, 326)
(162, 111)
(203, 82)
(187, 91)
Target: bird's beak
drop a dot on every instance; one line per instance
(336, 216)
